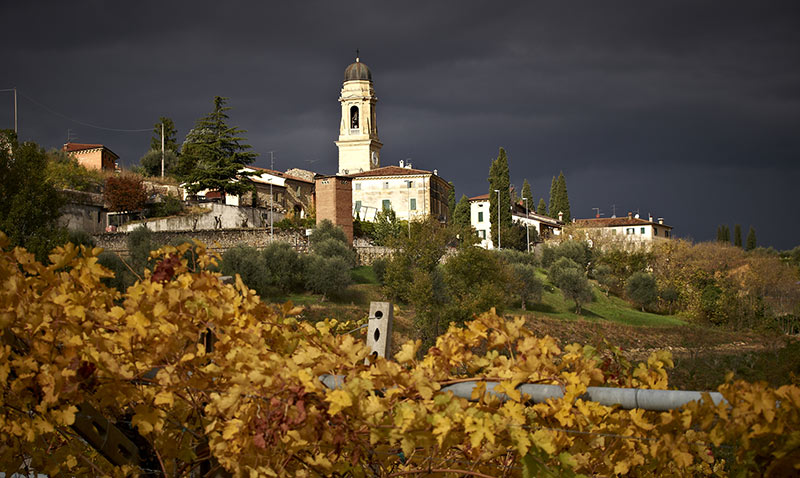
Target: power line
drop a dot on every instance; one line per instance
(50, 110)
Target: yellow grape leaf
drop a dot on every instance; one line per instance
(339, 400)
(544, 440)
(231, 428)
(637, 416)
(681, 458)
(408, 351)
(621, 467)
(65, 416)
(442, 426)
(164, 398)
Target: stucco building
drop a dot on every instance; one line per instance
(479, 214)
(631, 228)
(93, 156)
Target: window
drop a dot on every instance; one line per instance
(480, 216)
(386, 185)
(482, 234)
(410, 184)
(358, 186)
(655, 231)
(630, 230)
(354, 117)
(387, 204)
(358, 206)
(613, 232)
(641, 230)
(666, 233)
(412, 204)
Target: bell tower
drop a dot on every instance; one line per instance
(359, 146)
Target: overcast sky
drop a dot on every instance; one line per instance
(686, 110)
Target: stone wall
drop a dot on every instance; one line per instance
(217, 240)
(218, 216)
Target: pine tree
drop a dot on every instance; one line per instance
(542, 208)
(461, 216)
(213, 156)
(737, 235)
(751, 239)
(526, 193)
(170, 135)
(563, 198)
(499, 180)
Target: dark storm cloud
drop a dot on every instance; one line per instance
(688, 110)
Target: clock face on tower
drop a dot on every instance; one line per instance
(374, 158)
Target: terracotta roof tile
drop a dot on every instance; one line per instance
(616, 221)
(280, 174)
(69, 147)
(482, 197)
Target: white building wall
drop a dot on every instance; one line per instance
(479, 219)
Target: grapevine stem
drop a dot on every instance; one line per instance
(439, 470)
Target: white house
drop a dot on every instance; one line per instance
(480, 221)
(631, 228)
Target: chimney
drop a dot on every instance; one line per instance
(661, 220)
(402, 163)
(650, 217)
(561, 216)
(630, 215)
(637, 215)
(408, 166)
(435, 172)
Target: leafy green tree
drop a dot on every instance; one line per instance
(737, 235)
(330, 241)
(213, 154)
(151, 163)
(542, 208)
(422, 250)
(29, 204)
(326, 230)
(461, 216)
(641, 288)
(387, 227)
(170, 136)
(526, 194)
(476, 280)
(499, 181)
(604, 277)
(570, 278)
(751, 239)
(527, 287)
(64, 172)
(670, 296)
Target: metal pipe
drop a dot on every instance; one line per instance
(626, 398)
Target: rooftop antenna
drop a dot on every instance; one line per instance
(613, 210)
(69, 135)
(597, 212)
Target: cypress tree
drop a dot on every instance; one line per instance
(499, 180)
(737, 235)
(563, 198)
(553, 198)
(751, 239)
(526, 194)
(542, 209)
(461, 215)
(451, 200)
(726, 234)
(719, 233)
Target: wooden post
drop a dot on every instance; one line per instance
(379, 331)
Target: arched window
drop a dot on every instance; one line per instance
(354, 117)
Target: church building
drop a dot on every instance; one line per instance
(411, 193)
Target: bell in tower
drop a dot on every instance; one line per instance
(359, 146)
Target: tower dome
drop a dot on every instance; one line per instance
(357, 71)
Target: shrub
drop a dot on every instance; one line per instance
(571, 279)
(81, 238)
(285, 266)
(332, 247)
(169, 206)
(512, 256)
(476, 280)
(641, 289)
(250, 265)
(326, 230)
(140, 243)
(327, 275)
(123, 277)
(379, 267)
(604, 277)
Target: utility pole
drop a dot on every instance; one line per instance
(162, 149)
(15, 112)
(498, 217)
(408, 196)
(271, 211)
(527, 232)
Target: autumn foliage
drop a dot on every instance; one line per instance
(125, 192)
(257, 402)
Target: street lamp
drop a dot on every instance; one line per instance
(498, 217)
(527, 232)
(408, 197)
